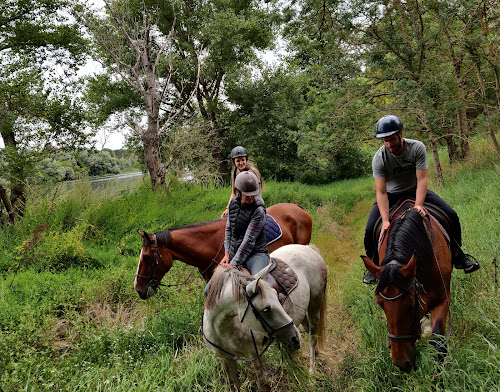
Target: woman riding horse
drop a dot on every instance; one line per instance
(245, 241)
(240, 159)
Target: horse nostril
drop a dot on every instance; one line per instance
(295, 341)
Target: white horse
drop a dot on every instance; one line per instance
(242, 312)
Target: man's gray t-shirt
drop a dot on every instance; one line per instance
(400, 171)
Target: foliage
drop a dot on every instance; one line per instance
(74, 328)
(37, 37)
(291, 131)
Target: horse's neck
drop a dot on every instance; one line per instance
(198, 245)
(223, 321)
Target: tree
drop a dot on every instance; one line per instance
(144, 59)
(36, 36)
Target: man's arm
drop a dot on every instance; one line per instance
(421, 191)
(382, 202)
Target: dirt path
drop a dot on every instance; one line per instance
(340, 246)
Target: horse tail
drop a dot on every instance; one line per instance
(322, 322)
(315, 248)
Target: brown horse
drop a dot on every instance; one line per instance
(414, 279)
(202, 245)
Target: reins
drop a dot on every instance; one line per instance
(153, 282)
(418, 287)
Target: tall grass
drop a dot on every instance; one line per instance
(472, 364)
(71, 321)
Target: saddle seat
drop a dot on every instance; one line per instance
(282, 278)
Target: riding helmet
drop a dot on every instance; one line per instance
(238, 151)
(247, 183)
(388, 125)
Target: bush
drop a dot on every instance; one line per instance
(48, 250)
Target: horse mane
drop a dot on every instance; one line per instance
(163, 237)
(221, 276)
(407, 236)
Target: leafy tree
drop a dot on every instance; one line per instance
(37, 36)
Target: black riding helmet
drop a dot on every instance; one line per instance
(238, 151)
(388, 125)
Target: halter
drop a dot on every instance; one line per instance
(415, 286)
(270, 331)
(152, 281)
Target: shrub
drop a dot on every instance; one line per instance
(50, 250)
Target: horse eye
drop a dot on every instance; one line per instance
(266, 309)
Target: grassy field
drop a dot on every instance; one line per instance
(71, 321)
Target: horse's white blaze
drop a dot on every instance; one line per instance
(137, 272)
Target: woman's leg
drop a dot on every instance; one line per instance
(257, 262)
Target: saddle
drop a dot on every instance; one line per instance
(272, 230)
(282, 278)
(436, 213)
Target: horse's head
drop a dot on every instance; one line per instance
(397, 294)
(263, 312)
(154, 262)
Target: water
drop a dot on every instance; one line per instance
(126, 181)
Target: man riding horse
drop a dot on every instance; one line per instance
(400, 172)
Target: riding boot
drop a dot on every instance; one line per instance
(462, 260)
(368, 277)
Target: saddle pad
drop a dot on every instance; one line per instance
(272, 230)
(285, 276)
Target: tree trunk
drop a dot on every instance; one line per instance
(486, 109)
(8, 206)
(462, 120)
(17, 185)
(452, 148)
(437, 164)
(152, 156)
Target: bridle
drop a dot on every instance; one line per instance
(157, 255)
(416, 287)
(270, 331)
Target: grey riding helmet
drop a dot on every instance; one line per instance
(238, 151)
(388, 125)
(247, 183)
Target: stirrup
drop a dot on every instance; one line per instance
(368, 278)
(468, 263)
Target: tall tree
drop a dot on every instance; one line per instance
(145, 60)
(37, 36)
(227, 33)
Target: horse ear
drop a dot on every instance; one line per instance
(252, 287)
(145, 236)
(408, 271)
(263, 272)
(370, 266)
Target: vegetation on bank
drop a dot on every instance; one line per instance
(70, 319)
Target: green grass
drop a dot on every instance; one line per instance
(71, 321)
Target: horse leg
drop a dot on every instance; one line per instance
(262, 381)
(438, 316)
(313, 320)
(231, 369)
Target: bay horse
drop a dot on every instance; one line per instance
(414, 279)
(242, 312)
(202, 245)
